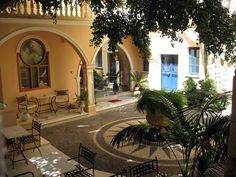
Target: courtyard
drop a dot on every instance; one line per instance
(96, 132)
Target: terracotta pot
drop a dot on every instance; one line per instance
(158, 120)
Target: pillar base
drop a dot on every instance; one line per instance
(91, 109)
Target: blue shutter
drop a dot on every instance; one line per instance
(194, 60)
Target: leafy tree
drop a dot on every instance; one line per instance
(118, 19)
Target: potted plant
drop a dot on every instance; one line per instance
(202, 134)
(160, 106)
(139, 79)
(81, 100)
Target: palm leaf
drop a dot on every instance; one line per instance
(141, 133)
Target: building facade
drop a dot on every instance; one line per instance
(39, 56)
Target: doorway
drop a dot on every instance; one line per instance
(169, 72)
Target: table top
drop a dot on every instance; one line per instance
(44, 96)
(52, 164)
(14, 132)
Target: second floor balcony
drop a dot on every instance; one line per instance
(31, 9)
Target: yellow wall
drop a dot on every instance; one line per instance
(68, 46)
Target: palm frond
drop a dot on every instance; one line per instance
(141, 133)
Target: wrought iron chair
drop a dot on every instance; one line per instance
(120, 174)
(87, 156)
(61, 100)
(34, 138)
(146, 168)
(26, 105)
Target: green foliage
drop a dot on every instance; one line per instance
(119, 19)
(99, 80)
(122, 18)
(82, 98)
(139, 79)
(165, 102)
(196, 96)
(201, 131)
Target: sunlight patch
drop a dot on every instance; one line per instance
(94, 131)
(81, 126)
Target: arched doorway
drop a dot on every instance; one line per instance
(112, 72)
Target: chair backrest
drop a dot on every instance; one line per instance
(144, 168)
(21, 99)
(86, 154)
(36, 126)
(61, 92)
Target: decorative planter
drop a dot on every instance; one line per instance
(81, 108)
(24, 116)
(158, 120)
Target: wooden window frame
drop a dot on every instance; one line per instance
(31, 67)
(195, 59)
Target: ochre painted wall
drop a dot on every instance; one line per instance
(68, 46)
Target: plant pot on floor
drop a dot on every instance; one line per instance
(24, 116)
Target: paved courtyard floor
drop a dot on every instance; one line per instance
(63, 132)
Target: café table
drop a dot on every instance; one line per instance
(11, 134)
(45, 103)
(52, 164)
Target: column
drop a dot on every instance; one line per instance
(117, 69)
(231, 163)
(89, 86)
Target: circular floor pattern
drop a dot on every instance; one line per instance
(134, 153)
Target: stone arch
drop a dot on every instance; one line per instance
(74, 44)
(119, 46)
(123, 64)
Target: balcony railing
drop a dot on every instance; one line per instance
(30, 8)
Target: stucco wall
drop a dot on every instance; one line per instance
(162, 46)
(68, 46)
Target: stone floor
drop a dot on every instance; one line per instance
(49, 119)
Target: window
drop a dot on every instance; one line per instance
(33, 65)
(194, 60)
(145, 65)
(99, 59)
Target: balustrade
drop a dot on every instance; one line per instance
(33, 9)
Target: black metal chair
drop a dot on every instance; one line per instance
(120, 174)
(146, 168)
(84, 155)
(61, 100)
(34, 138)
(26, 105)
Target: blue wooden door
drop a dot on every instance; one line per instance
(169, 72)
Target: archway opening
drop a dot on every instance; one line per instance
(112, 72)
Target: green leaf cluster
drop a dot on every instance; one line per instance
(99, 80)
(201, 131)
(161, 101)
(118, 19)
(199, 92)
(139, 79)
